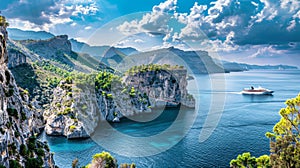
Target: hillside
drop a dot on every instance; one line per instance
(39, 65)
(197, 62)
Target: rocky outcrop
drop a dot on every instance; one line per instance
(19, 123)
(15, 58)
(81, 103)
(51, 48)
(3, 50)
(78, 107)
(165, 86)
(61, 116)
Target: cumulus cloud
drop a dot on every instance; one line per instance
(231, 23)
(267, 51)
(46, 14)
(153, 22)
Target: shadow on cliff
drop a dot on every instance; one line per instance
(25, 77)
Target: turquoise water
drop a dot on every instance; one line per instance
(241, 128)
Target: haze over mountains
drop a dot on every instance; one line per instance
(113, 56)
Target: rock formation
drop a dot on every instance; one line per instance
(61, 116)
(165, 86)
(81, 102)
(19, 123)
(15, 58)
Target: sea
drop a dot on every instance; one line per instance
(224, 124)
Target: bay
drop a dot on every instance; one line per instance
(241, 127)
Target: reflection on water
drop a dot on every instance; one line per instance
(258, 98)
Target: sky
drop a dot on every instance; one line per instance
(257, 31)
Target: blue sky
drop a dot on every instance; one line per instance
(257, 31)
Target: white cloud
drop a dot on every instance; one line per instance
(267, 51)
(155, 21)
(88, 28)
(24, 25)
(90, 9)
(139, 41)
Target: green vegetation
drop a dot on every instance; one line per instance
(104, 160)
(151, 67)
(284, 141)
(246, 160)
(34, 162)
(23, 150)
(14, 164)
(40, 152)
(101, 158)
(66, 111)
(3, 21)
(105, 80)
(46, 65)
(10, 91)
(132, 92)
(127, 165)
(12, 112)
(72, 128)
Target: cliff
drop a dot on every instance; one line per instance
(61, 117)
(15, 58)
(19, 123)
(81, 101)
(165, 85)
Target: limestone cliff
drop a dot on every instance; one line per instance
(81, 101)
(15, 58)
(19, 123)
(61, 116)
(165, 85)
(79, 105)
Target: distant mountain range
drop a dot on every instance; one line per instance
(234, 66)
(197, 61)
(100, 51)
(17, 34)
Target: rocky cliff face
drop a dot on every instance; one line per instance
(165, 87)
(15, 58)
(79, 106)
(18, 122)
(61, 117)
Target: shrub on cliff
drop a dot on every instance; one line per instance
(3, 21)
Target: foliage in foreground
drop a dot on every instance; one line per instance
(103, 160)
(284, 141)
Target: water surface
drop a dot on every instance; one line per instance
(242, 126)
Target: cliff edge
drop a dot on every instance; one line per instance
(19, 123)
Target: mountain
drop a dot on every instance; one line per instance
(195, 61)
(58, 49)
(17, 34)
(234, 66)
(95, 51)
(101, 51)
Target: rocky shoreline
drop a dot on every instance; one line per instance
(77, 107)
